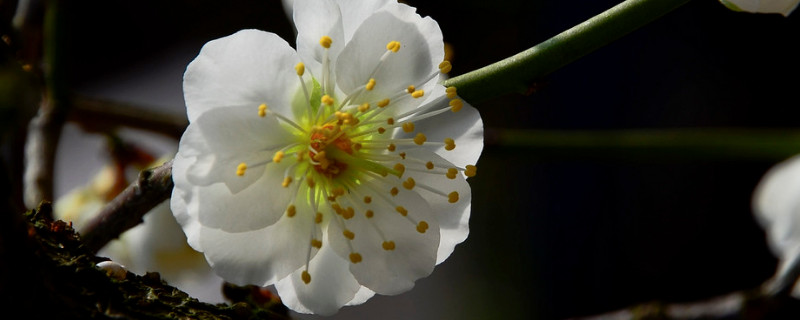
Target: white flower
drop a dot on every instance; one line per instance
(335, 171)
(776, 204)
(784, 7)
(157, 244)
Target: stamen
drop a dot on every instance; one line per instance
(409, 183)
(300, 68)
(445, 67)
(363, 107)
(411, 89)
(388, 245)
(402, 210)
(316, 243)
(408, 127)
(393, 46)
(394, 191)
(326, 99)
(355, 257)
(305, 276)
(278, 157)
(422, 226)
(241, 168)
(449, 144)
(384, 102)
(456, 105)
(451, 92)
(420, 138)
(370, 84)
(286, 182)
(325, 42)
(291, 211)
(418, 93)
(429, 165)
(471, 171)
(348, 234)
(452, 197)
(451, 173)
(262, 110)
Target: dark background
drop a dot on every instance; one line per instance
(553, 235)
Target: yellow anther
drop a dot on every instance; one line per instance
(291, 211)
(367, 199)
(429, 165)
(451, 92)
(310, 182)
(456, 105)
(349, 213)
(381, 130)
(336, 207)
(370, 84)
(338, 191)
(388, 245)
(390, 121)
(357, 146)
(420, 139)
(348, 234)
(262, 110)
(393, 46)
(300, 68)
(391, 147)
(399, 167)
(411, 89)
(451, 173)
(286, 182)
(402, 155)
(452, 197)
(363, 107)
(394, 191)
(408, 127)
(241, 168)
(449, 144)
(320, 156)
(402, 210)
(384, 102)
(318, 218)
(326, 99)
(278, 157)
(316, 243)
(355, 257)
(445, 66)
(418, 93)
(422, 226)
(306, 277)
(325, 42)
(471, 171)
(369, 214)
(409, 183)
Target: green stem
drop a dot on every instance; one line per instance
(518, 73)
(694, 143)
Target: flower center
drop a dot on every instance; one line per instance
(324, 144)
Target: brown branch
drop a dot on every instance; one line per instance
(153, 187)
(40, 149)
(104, 116)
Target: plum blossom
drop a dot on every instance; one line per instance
(784, 7)
(335, 171)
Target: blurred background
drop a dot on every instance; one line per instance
(555, 232)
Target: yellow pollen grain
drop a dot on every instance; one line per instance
(399, 167)
(445, 66)
(418, 93)
(291, 211)
(241, 168)
(420, 139)
(286, 182)
(393, 46)
(394, 191)
(349, 213)
(422, 226)
(318, 218)
(409, 183)
(381, 130)
(316, 243)
(411, 89)
(471, 171)
(349, 234)
(449, 144)
(388, 245)
(370, 85)
(452, 197)
(456, 105)
(402, 210)
(327, 100)
(363, 107)
(300, 68)
(278, 157)
(451, 173)
(367, 199)
(391, 147)
(384, 102)
(429, 165)
(369, 214)
(336, 207)
(390, 121)
(310, 182)
(355, 257)
(306, 277)
(402, 155)
(408, 127)
(325, 42)
(262, 110)
(451, 92)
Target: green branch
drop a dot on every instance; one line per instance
(518, 73)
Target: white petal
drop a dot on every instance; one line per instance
(453, 217)
(184, 202)
(387, 271)
(362, 296)
(331, 287)
(315, 19)
(784, 7)
(354, 12)
(247, 68)
(421, 52)
(262, 256)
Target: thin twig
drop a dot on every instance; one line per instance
(153, 187)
